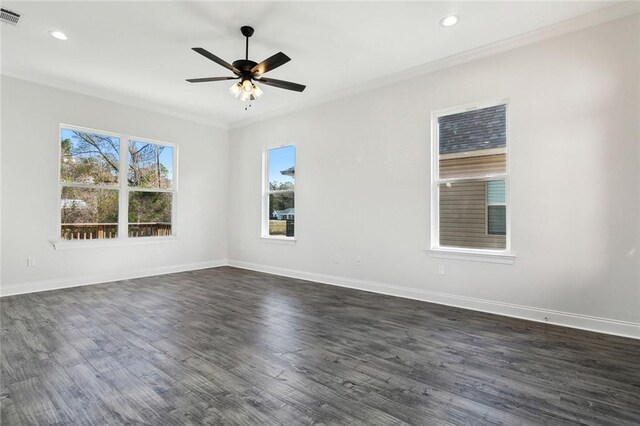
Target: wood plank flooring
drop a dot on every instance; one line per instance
(228, 346)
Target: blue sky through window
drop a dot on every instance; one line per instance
(281, 159)
(166, 156)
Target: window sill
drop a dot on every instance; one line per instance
(488, 256)
(279, 240)
(112, 242)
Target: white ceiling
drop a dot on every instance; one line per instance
(140, 52)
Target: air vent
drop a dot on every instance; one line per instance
(9, 17)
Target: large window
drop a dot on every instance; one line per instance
(114, 186)
(470, 179)
(279, 212)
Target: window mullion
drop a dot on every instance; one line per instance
(143, 189)
(123, 205)
(484, 178)
(280, 191)
(88, 186)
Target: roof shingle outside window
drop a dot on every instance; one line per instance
(473, 130)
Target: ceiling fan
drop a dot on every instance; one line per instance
(248, 72)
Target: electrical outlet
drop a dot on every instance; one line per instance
(31, 262)
(336, 258)
(441, 269)
(358, 261)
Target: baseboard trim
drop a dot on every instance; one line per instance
(56, 284)
(565, 319)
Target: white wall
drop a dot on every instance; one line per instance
(363, 185)
(31, 114)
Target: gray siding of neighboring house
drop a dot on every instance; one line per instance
(463, 217)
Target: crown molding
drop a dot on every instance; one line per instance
(620, 10)
(117, 98)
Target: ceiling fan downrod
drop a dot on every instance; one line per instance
(247, 32)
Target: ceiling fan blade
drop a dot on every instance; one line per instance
(270, 63)
(215, 59)
(203, 80)
(282, 84)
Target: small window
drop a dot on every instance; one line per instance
(470, 179)
(279, 192)
(103, 174)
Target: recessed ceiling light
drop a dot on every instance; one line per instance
(449, 21)
(58, 34)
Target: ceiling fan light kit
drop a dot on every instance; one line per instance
(248, 72)
(245, 91)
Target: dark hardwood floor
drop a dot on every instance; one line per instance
(228, 346)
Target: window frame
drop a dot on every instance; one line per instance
(123, 189)
(436, 181)
(264, 231)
